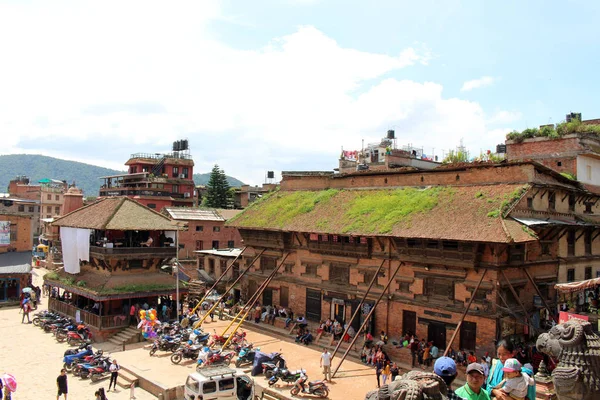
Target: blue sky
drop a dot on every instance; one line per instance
(283, 85)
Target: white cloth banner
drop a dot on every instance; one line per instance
(75, 247)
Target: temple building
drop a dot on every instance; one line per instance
(114, 251)
(431, 237)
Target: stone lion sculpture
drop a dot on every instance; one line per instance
(414, 385)
(577, 348)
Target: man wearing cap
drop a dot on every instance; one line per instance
(472, 389)
(445, 368)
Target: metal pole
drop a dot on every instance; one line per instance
(373, 280)
(201, 320)
(258, 293)
(177, 267)
(255, 296)
(218, 280)
(464, 314)
(367, 319)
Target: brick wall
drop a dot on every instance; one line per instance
(24, 240)
(207, 235)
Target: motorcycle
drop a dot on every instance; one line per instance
(70, 361)
(82, 335)
(70, 352)
(166, 343)
(44, 316)
(246, 356)
(100, 371)
(219, 340)
(268, 366)
(285, 375)
(317, 388)
(188, 351)
(62, 332)
(83, 370)
(206, 358)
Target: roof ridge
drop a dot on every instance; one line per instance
(121, 201)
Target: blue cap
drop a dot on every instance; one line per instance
(444, 366)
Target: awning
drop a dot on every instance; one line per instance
(546, 221)
(577, 286)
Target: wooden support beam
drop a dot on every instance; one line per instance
(562, 233)
(464, 314)
(535, 194)
(543, 194)
(390, 280)
(548, 233)
(537, 290)
(514, 292)
(373, 280)
(596, 235)
(579, 237)
(565, 196)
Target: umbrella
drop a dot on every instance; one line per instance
(27, 290)
(10, 382)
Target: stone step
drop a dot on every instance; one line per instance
(114, 341)
(126, 379)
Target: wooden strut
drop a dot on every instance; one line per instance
(510, 311)
(201, 320)
(243, 309)
(464, 314)
(391, 279)
(514, 292)
(251, 306)
(218, 280)
(373, 280)
(550, 312)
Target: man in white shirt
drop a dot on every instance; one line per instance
(325, 363)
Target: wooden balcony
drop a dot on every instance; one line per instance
(96, 321)
(132, 252)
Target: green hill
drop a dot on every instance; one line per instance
(86, 176)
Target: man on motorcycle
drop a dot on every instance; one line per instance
(300, 381)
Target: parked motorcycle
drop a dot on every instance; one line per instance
(82, 335)
(70, 352)
(99, 371)
(268, 366)
(166, 343)
(188, 351)
(285, 375)
(71, 360)
(317, 388)
(207, 358)
(83, 369)
(246, 356)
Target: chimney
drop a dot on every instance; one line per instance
(73, 199)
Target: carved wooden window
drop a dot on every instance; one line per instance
(551, 201)
(481, 294)
(571, 243)
(572, 199)
(311, 269)
(201, 263)
(339, 274)
(288, 268)
(517, 253)
(439, 287)
(414, 243)
(588, 273)
(546, 248)
(588, 245)
(235, 270)
(571, 275)
(404, 287)
(223, 265)
(530, 202)
(211, 266)
(268, 263)
(368, 276)
(588, 208)
(510, 298)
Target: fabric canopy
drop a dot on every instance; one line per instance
(577, 286)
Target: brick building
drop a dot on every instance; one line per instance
(206, 229)
(22, 206)
(15, 232)
(156, 180)
(443, 228)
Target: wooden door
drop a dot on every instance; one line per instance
(437, 334)
(409, 322)
(468, 335)
(313, 305)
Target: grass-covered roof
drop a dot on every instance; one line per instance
(470, 213)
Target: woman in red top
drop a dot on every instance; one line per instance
(471, 359)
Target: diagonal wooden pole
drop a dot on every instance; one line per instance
(373, 280)
(514, 292)
(367, 319)
(550, 312)
(464, 314)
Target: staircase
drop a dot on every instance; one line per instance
(157, 168)
(126, 378)
(127, 335)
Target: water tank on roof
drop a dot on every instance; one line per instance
(501, 148)
(184, 144)
(391, 134)
(270, 174)
(176, 145)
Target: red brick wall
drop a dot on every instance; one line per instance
(24, 240)
(207, 235)
(24, 191)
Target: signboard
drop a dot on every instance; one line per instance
(564, 316)
(4, 233)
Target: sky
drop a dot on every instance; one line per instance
(284, 85)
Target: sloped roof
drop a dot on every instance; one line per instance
(228, 214)
(193, 214)
(468, 213)
(116, 213)
(15, 259)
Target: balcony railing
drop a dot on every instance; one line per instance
(96, 321)
(157, 156)
(96, 251)
(117, 191)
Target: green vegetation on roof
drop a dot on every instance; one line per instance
(507, 202)
(554, 132)
(146, 287)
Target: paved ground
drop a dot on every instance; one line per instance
(35, 358)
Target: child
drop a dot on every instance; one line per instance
(517, 382)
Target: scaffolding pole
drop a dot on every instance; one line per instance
(366, 319)
(251, 307)
(464, 314)
(252, 300)
(514, 292)
(373, 280)
(537, 290)
(201, 320)
(218, 281)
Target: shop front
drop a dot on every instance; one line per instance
(580, 300)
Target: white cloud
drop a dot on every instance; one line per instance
(477, 83)
(90, 85)
(504, 117)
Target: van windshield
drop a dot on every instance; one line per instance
(192, 384)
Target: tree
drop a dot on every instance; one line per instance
(218, 194)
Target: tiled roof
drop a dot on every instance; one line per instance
(227, 214)
(468, 213)
(116, 213)
(193, 214)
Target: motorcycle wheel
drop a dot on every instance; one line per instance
(70, 341)
(95, 377)
(153, 351)
(273, 381)
(36, 322)
(238, 363)
(269, 374)
(294, 391)
(322, 393)
(68, 367)
(176, 358)
(227, 360)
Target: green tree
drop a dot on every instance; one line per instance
(218, 194)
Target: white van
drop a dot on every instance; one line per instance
(219, 383)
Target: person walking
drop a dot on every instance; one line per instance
(114, 374)
(26, 309)
(61, 383)
(378, 370)
(325, 363)
(386, 373)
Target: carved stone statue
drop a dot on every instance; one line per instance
(414, 385)
(577, 347)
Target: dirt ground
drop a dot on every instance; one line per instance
(35, 359)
